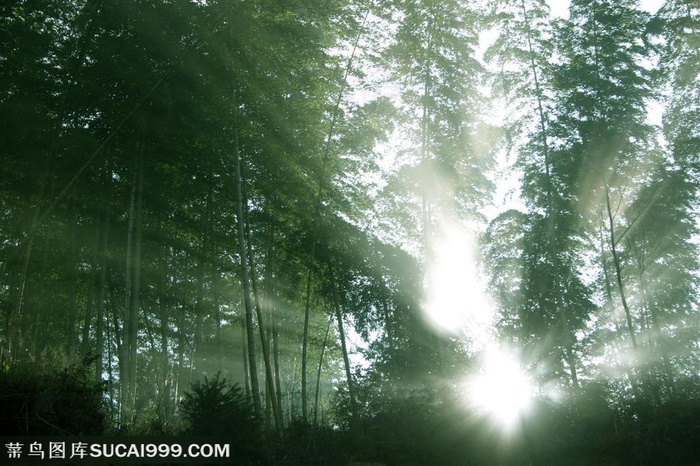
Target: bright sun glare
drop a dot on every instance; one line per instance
(456, 302)
(501, 391)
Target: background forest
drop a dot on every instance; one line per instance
(414, 232)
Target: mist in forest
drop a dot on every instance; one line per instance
(354, 232)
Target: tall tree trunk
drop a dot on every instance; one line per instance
(663, 354)
(258, 309)
(343, 345)
(119, 342)
(113, 337)
(274, 321)
(276, 350)
(99, 326)
(271, 395)
(72, 337)
(34, 320)
(16, 317)
(618, 270)
(218, 317)
(317, 215)
(14, 324)
(305, 337)
(318, 373)
(92, 284)
(621, 289)
(567, 337)
(388, 324)
(133, 289)
(166, 368)
(181, 343)
(244, 351)
(425, 136)
(201, 272)
(136, 289)
(122, 344)
(245, 279)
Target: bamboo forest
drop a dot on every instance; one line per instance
(354, 232)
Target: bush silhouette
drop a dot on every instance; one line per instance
(215, 408)
(36, 401)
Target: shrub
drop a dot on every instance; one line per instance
(215, 408)
(36, 401)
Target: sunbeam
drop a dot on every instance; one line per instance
(456, 302)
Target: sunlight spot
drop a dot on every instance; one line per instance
(456, 301)
(559, 8)
(553, 393)
(501, 391)
(652, 6)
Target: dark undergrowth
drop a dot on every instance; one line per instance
(413, 429)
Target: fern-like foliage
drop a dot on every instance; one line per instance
(216, 408)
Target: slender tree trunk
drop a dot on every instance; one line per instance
(244, 350)
(133, 290)
(656, 327)
(99, 327)
(123, 343)
(34, 320)
(217, 314)
(245, 280)
(388, 324)
(15, 321)
(181, 346)
(17, 318)
(201, 275)
(318, 373)
(110, 367)
(305, 339)
(343, 345)
(425, 135)
(199, 300)
(136, 289)
(618, 270)
(276, 349)
(120, 343)
(72, 337)
(271, 394)
(550, 211)
(258, 309)
(198, 353)
(166, 368)
(609, 298)
(113, 337)
(317, 217)
(274, 323)
(92, 283)
(606, 274)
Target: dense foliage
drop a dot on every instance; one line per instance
(344, 209)
(46, 400)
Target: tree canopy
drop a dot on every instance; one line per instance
(306, 199)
